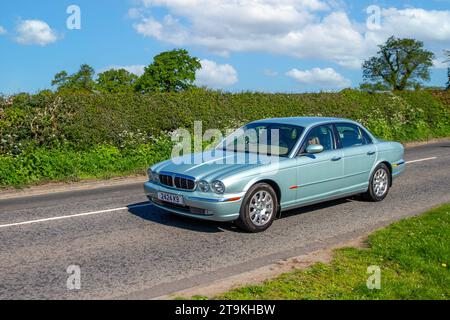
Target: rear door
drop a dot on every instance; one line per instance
(359, 156)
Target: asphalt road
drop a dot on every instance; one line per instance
(126, 248)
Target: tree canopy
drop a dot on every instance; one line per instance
(115, 81)
(170, 71)
(399, 64)
(81, 80)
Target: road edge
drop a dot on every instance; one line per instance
(264, 273)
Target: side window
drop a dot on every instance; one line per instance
(288, 136)
(321, 135)
(350, 135)
(366, 137)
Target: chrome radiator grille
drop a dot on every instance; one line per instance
(177, 181)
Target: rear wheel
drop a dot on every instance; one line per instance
(379, 183)
(258, 209)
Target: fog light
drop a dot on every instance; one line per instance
(197, 211)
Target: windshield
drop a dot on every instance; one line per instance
(263, 138)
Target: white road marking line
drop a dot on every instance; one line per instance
(122, 208)
(420, 160)
(72, 216)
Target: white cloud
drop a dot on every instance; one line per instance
(299, 28)
(290, 27)
(137, 69)
(432, 25)
(216, 75)
(149, 27)
(326, 78)
(35, 32)
(2, 30)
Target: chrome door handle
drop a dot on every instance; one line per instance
(336, 158)
(370, 153)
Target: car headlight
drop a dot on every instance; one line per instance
(150, 174)
(203, 186)
(218, 187)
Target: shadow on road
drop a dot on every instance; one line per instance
(319, 206)
(154, 214)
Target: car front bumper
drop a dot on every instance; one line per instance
(198, 205)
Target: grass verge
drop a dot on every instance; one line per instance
(412, 254)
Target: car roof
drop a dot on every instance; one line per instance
(303, 121)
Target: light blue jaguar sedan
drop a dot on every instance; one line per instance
(273, 165)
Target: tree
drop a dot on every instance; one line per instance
(400, 64)
(116, 81)
(170, 71)
(60, 79)
(81, 80)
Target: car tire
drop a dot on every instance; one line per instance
(379, 183)
(259, 208)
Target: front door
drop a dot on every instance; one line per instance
(319, 175)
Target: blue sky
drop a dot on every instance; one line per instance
(264, 45)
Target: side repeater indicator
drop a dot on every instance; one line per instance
(293, 187)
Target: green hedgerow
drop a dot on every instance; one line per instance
(73, 135)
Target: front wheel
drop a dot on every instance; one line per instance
(258, 209)
(379, 183)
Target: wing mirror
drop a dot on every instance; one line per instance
(314, 148)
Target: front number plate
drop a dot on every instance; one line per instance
(171, 198)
